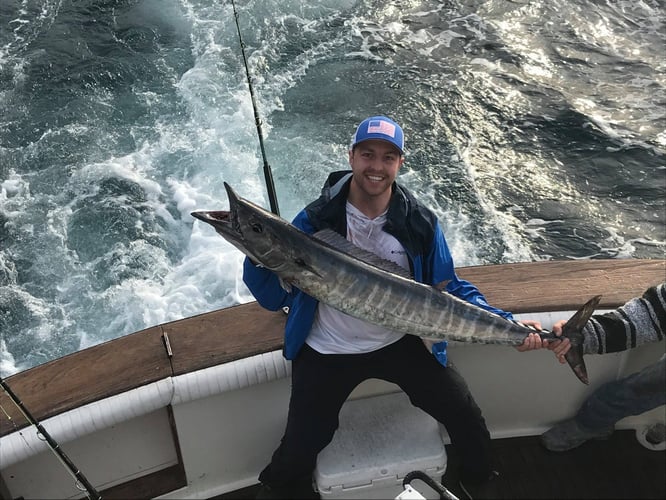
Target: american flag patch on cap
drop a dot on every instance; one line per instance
(381, 127)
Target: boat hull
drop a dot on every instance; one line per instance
(204, 421)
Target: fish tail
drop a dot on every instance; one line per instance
(573, 330)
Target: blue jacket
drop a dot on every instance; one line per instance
(411, 223)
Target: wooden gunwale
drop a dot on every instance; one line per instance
(245, 330)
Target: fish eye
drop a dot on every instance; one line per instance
(300, 262)
(257, 228)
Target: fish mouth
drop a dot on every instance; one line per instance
(225, 221)
(220, 216)
(221, 220)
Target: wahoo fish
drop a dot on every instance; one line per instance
(356, 282)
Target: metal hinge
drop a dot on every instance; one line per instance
(167, 345)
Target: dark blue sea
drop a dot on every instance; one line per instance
(536, 130)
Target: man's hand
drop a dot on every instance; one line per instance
(559, 347)
(533, 340)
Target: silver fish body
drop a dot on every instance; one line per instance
(358, 283)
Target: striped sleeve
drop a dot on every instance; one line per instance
(639, 321)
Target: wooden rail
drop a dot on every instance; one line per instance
(245, 330)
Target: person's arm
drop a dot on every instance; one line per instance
(446, 279)
(265, 286)
(638, 321)
(465, 290)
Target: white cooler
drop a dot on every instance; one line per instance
(379, 441)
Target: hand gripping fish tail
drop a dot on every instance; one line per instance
(331, 269)
(573, 330)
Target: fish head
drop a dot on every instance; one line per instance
(258, 233)
(221, 220)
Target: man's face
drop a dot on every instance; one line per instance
(375, 164)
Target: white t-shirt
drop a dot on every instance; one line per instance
(334, 332)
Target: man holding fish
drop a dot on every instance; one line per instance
(332, 352)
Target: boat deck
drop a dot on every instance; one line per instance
(618, 467)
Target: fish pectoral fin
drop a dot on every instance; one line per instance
(304, 265)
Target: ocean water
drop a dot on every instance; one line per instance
(536, 130)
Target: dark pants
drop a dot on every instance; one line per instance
(322, 382)
(640, 392)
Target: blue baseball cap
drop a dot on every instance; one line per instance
(382, 128)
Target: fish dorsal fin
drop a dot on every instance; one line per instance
(338, 242)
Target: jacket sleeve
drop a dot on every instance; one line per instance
(443, 270)
(638, 321)
(264, 284)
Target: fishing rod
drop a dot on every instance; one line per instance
(268, 175)
(78, 475)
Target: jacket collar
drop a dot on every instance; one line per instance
(324, 212)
